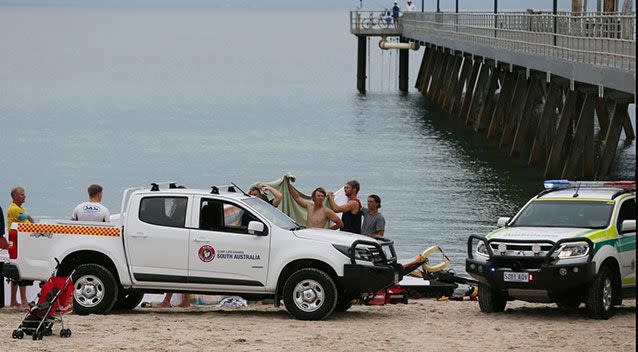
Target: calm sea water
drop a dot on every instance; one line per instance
(127, 96)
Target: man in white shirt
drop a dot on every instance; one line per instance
(410, 6)
(92, 210)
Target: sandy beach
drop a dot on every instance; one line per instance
(421, 325)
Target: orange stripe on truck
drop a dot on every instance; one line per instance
(70, 229)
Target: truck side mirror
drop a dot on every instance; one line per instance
(502, 221)
(257, 228)
(628, 226)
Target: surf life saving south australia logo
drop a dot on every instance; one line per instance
(207, 254)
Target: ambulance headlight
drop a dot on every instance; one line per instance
(481, 249)
(575, 250)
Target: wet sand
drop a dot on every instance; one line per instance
(421, 325)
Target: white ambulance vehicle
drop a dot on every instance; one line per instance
(573, 243)
(217, 241)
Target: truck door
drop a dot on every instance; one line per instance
(222, 252)
(157, 238)
(627, 243)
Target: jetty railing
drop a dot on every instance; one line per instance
(373, 23)
(601, 39)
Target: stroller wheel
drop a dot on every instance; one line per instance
(48, 332)
(65, 333)
(17, 334)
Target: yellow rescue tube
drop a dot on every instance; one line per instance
(437, 267)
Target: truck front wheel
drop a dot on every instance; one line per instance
(490, 300)
(95, 289)
(310, 294)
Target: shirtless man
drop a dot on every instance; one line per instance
(318, 214)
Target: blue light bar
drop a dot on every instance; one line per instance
(556, 184)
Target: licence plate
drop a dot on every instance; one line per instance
(515, 277)
(396, 277)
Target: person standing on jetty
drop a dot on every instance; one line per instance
(395, 14)
(409, 6)
(318, 214)
(16, 213)
(351, 210)
(92, 210)
(373, 221)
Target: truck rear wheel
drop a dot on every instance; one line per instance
(490, 300)
(600, 294)
(310, 294)
(95, 289)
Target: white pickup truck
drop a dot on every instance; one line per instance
(217, 241)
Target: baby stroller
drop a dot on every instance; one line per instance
(54, 300)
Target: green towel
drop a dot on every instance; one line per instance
(288, 205)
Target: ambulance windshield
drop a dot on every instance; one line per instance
(555, 213)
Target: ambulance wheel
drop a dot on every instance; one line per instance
(310, 294)
(600, 294)
(490, 300)
(95, 289)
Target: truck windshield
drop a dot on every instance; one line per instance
(273, 214)
(577, 214)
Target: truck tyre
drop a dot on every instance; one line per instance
(95, 289)
(600, 294)
(490, 300)
(128, 300)
(310, 294)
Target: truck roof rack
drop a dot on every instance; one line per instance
(155, 186)
(229, 188)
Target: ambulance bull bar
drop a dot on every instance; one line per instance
(546, 259)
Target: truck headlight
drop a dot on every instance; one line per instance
(481, 249)
(573, 250)
(359, 253)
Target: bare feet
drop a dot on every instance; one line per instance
(14, 305)
(163, 305)
(184, 304)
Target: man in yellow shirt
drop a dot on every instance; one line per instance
(16, 213)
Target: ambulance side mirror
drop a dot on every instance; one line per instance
(257, 228)
(502, 221)
(628, 226)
